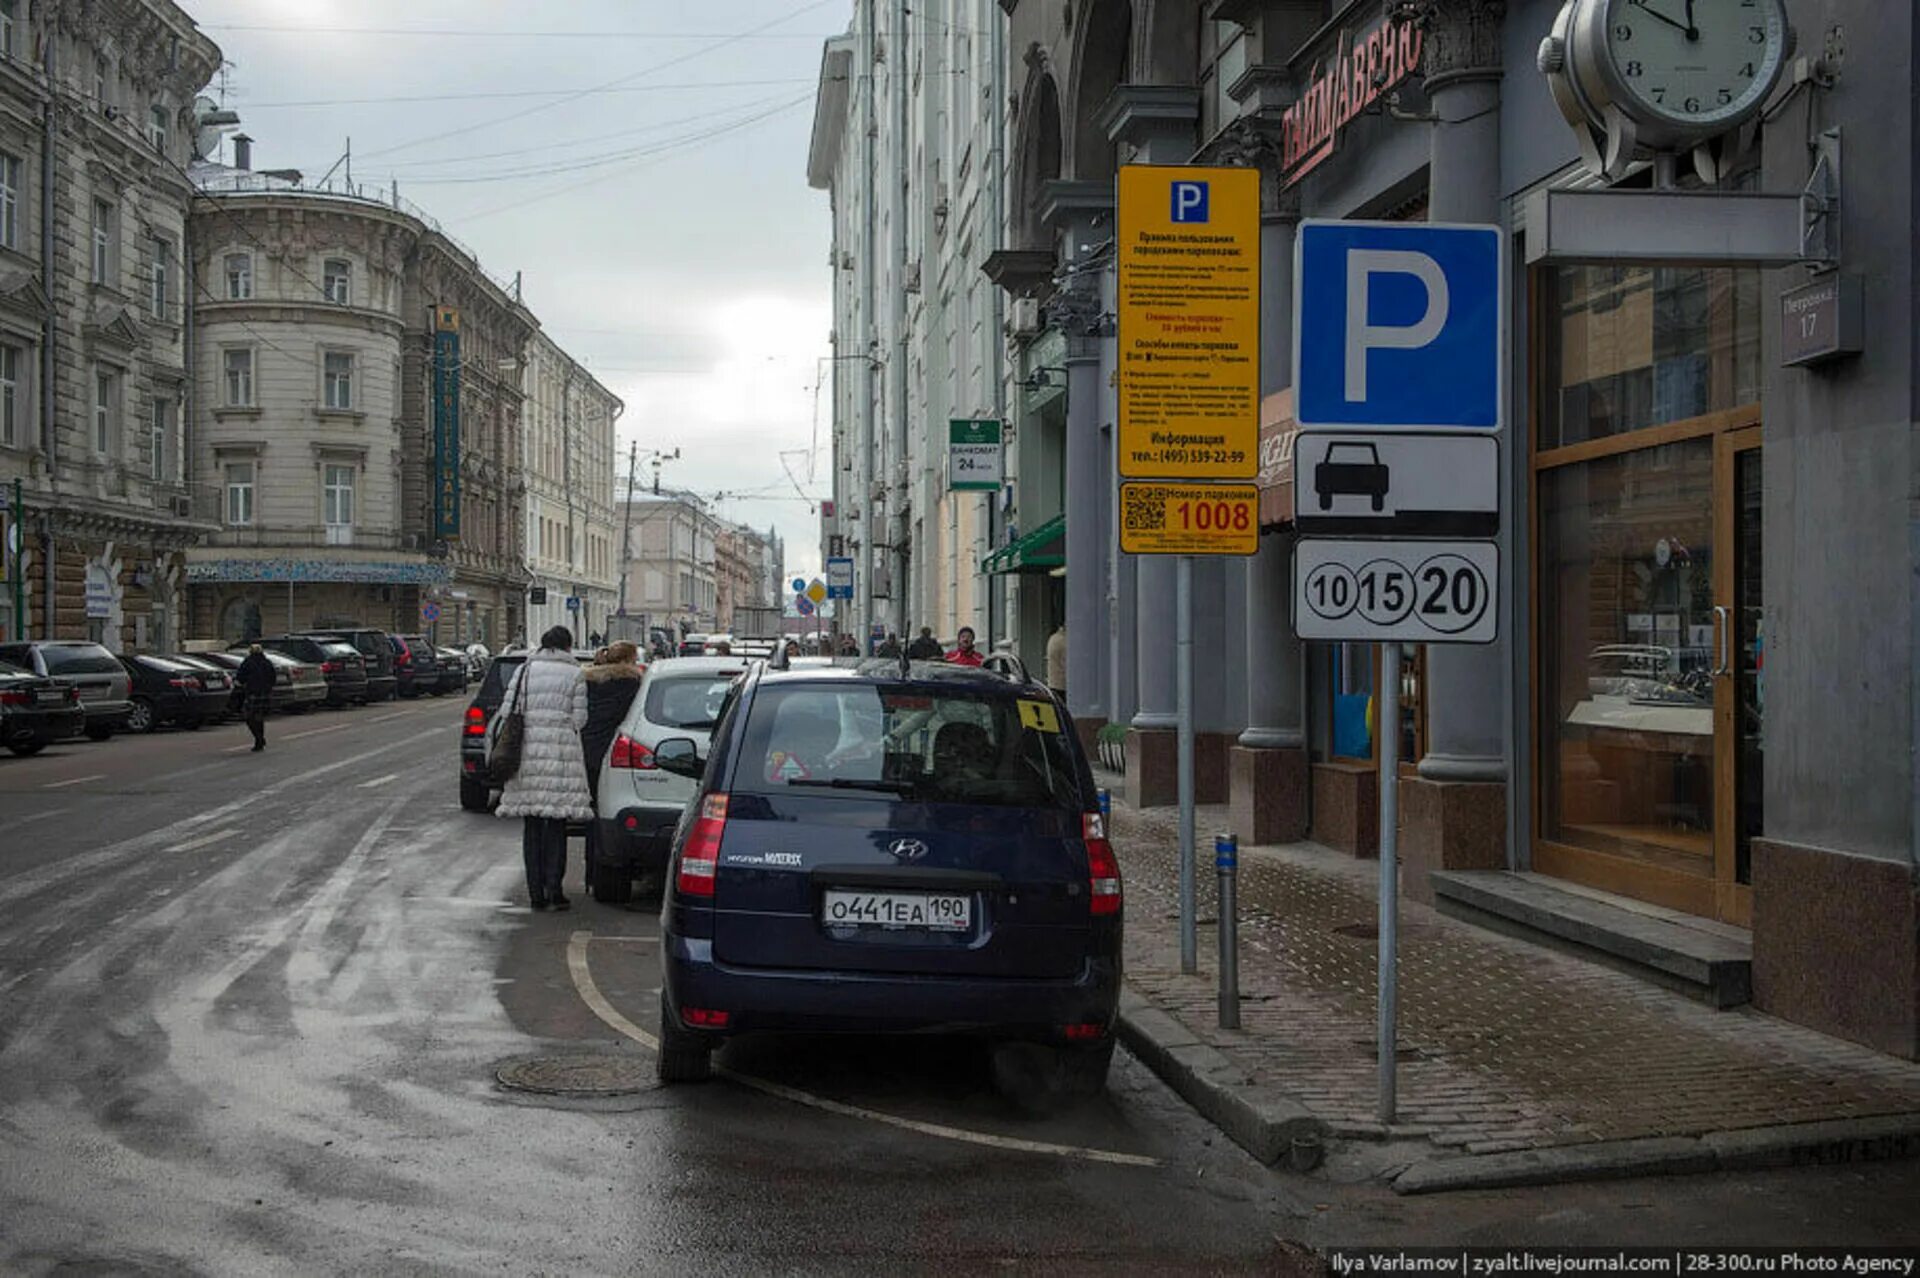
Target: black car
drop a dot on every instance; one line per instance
(345, 670)
(214, 677)
(475, 791)
(455, 674)
(35, 710)
(416, 666)
(376, 652)
(88, 667)
(877, 848)
(170, 691)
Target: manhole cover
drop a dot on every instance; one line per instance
(1359, 931)
(578, 1075)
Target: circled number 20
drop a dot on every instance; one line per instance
(1446, 592)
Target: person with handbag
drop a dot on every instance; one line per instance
(536, 754)
(253, 688)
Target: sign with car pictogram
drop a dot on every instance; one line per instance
(1364, 485)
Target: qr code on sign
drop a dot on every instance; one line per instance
(1144, 514)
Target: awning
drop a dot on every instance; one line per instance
(1042, 550)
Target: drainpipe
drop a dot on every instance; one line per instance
(997, 336)
(49, 440)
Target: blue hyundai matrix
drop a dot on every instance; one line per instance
(878, 847)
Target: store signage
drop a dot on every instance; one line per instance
(826, 509)
(973, 455)
(839, 578)
(1396, 485)
(1189, 322)
(99, 592)
(446, 423)
(1277, 430)
(1820, 321)
(537, 595)
(1396, 591)
(1189, 519)
(1360, 70)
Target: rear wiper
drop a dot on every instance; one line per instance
(854, 783)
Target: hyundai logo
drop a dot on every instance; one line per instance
(907, 849)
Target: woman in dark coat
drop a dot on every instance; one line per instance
(611, 685)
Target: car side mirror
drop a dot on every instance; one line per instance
(679, 756)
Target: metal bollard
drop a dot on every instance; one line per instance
(1105, 799)
(1226, 860)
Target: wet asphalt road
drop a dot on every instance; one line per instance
(252, 1006)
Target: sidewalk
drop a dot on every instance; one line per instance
(1505, 1048)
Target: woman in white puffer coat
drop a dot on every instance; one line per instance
(550, 787)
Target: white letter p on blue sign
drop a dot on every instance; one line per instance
(1398, 325)
(1189, 202)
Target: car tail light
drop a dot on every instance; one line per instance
(705, 1017)
(73, 695)
(184, 682)
(18, 698)
(1103, 869)
(331, 667)
(628, 753)
(476, 722)
(700, 859)
(1084, 1032)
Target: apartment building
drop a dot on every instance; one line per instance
(572, 537)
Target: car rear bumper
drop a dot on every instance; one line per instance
(637, 837)
(380, 687)
(759, 1000)
(342, 690)
(31, 724)
(106, 713)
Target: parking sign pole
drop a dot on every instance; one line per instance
(1183, 691)
(1388, 726)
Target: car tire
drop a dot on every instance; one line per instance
(610, 884)
(141, 717)
(474, 794)
(25, 748)
(99, 734)
(684, 1057)
(1083, 1070)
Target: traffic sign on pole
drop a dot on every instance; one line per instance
(816, 590)
(1397, 591)
(839, 578)
(429, 612)
(1355, 484)
(1189, 519)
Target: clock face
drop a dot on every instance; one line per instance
(1702, 65)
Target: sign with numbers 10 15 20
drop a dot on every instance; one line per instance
(1386, 592)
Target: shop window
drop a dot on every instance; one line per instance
(1352, 701)
(1627, 347)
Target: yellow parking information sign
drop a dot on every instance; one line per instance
(1189, 322)
(1189, 519)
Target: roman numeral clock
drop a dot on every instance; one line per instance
(1663, 76)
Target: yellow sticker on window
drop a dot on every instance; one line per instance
(1039, 715)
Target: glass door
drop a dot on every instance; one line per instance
(1739, 670)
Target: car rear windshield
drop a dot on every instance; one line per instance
(692, 701)
(166, 665)
(494, 686)
(84, 658)
(332, 649)
(944, 746)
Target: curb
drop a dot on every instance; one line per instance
(1849, 1140)
(1265, 1123)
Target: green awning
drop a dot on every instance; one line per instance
(1042, 550)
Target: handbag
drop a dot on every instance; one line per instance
(503, 760)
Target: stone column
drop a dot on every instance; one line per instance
(1454, 815)
(1152, 124)
(1081, 214)
(1121, 582)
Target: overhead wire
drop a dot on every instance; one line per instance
(250, 105)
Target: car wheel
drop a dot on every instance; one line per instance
(25, 748)
(610, 883)
(474, 794)
(99, 734)
(1083, 1070)
(142, 718)
(684, 1057)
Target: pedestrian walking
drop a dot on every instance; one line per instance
(255, 679)
(926, 647)
(549, 788)
(965, 654)
(1057, 661)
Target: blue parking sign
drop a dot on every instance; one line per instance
(1398, 325)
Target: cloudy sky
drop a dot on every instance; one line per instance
(642, 163)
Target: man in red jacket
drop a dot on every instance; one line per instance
(965, 655)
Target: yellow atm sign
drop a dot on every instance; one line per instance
(1189, 322)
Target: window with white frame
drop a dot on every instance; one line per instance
(337, 503)
(157, 117)
(337, 376)
(106, 409)
(12, 410)
(10, 171)
(9, 34)
(161, 426)
(102, 242)
(239, 369)
(240, 477)
(336, 279)
(239, 276)
(160, 279)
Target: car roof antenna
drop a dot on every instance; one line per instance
(905, 666)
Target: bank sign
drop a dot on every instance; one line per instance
(1361, 68)
(446, 423)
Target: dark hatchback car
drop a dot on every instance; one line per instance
(167, 690)
(36, 711)
(376, 652)
(879, 850)
(87, 667)
(342, 667)
(416, 666)
(475, 791)
(214, 677)
(455, 673)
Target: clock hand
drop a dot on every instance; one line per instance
(1693, 32)
(1655, 13)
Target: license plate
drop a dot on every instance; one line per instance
(53, 697)
(918, 911)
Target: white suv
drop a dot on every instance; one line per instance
(641, 803)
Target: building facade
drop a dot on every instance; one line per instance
(95, 112)
(673, 575)
(572, 538)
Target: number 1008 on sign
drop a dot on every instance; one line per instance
(1423, 592)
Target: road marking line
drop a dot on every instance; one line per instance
(379, 781)
(597, 1002)
(56, 785)
(205, 840)
(624, 940)
(41, 816)
(385, 718)
(314, 732)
